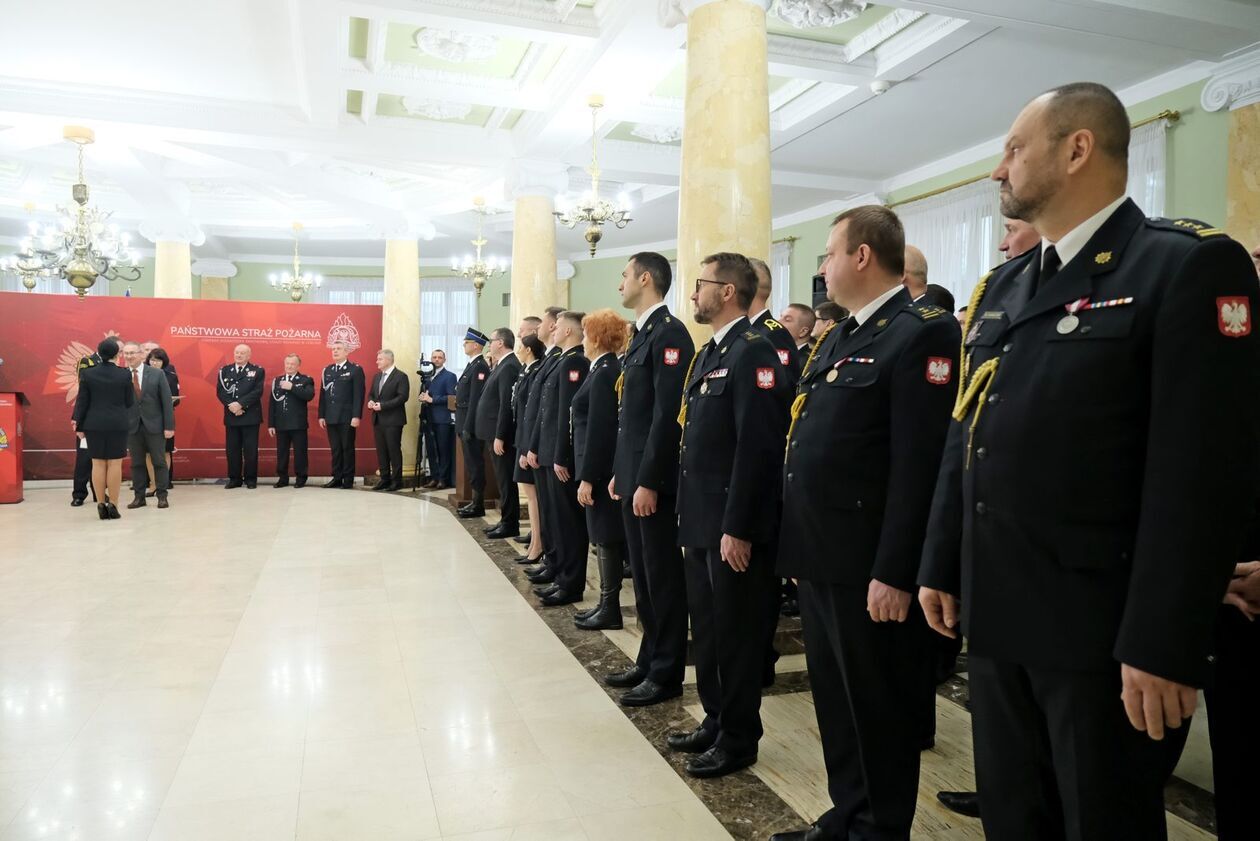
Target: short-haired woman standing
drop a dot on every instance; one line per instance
(100, 414)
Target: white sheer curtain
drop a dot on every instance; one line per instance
(337, 289)
(1148, 161)
(958, 232)
(448, 307)
(781, 277)
(679, 290)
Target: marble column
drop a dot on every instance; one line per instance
(535, 284)
(172, 270)
(724, 186)
(400, 327)
(1235, 84)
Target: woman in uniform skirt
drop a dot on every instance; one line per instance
(594, 443)
(100, 413)
(530, 351)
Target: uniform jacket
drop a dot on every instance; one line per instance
(864, 452)
(651, 393)
(392, 396)
(341, 393)
(594, 442)
(154, 411)
(244, 386)
(286, 410)
(732, 441)
(533, 411)
(494, 409)
(105, 396)
(442, 386)
(1097, 511)
(560, 384)
(467, 394)
(521, 390)
(783, 342)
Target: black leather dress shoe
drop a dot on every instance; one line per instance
(75, 503)
(648, 693)
(504, 531)
(628, 679)
(545, 589)
(963, 802)
(811, 834)
(716, 762)
(543, 576)
(332, 483)
(250, 485)
(525, 538)
(138, 502)
(281, 483)
(490, 528)
(560, 597)
(472, 513)
(163, 502)
(694, 741)
(347, 486)
(230, 485)
(383, 485)
(300, 483)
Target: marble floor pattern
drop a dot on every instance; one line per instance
(280, 664)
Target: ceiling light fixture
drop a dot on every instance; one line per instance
(474, 268)
(297, 283)
(591, 210)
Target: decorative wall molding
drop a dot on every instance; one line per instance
(1234, 84)
(883, 29)
(214, 267)
(657, 134)
(436, 109)
(565, 270)
(670, 13)
(817, 14)
(168, 230)
(540, 11)
(456, 47)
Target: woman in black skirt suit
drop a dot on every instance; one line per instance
(100, 413)
(530, 350)
(159, 359)
(594, 442)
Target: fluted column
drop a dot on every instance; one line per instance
(400, 326)
(535, 285)
(724, 188)
(172, 270)
(1235, 84)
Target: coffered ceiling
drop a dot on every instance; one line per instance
(224, 123)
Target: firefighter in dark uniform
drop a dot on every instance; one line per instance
(287, 422)
(340, 412)
(1097, 482)
(555, 453)
(864, 447)
(467, 395)
(645, 479)
(734, 419)
(543, 477)
(240, 389)
(83, 461)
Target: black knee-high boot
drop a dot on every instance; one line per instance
(607, 616)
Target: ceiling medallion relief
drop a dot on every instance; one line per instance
(456, 47)
(657, 134)
(435, 109)
(815, 14)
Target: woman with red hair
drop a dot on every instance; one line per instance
(594, 442)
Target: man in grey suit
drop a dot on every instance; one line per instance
(151, 420)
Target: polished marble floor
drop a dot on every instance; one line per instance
(351, 666)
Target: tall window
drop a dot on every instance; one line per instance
(448, 307)
(780, 277)
(958, 232)
(1148, 167)
(337, 289)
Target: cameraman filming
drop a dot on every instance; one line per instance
(435, 389)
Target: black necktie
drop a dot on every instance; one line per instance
(1050, 265)
(846, 329)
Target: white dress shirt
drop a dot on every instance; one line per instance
(870, 309)
(647, 313)
(1071, 243)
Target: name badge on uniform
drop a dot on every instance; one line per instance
(671, 356)
(783, 356)
(574, 375)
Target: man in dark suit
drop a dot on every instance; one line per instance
(543, 477)
(1096, 485)
(467, 393)
(863, 450)
(645, 480)
(151, 420)
(734, 418)
(555, 454)
(388, 400)
(240, 390)
(494, 427)
(287, 421)
(442, 422)
(340, 410)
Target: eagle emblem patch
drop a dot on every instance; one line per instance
(481, 376)
(671, 356)
(1233, 316)
(573, 376)
(783, 357)
(939, 370)
(765, 378)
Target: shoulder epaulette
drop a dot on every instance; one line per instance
(1191, 227)
(752, 335)
(86, 362)
(772, 324)
(927, 311)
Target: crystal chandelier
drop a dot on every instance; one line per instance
(81, 247)
(297, 283)
(473, 268)
(591, 210)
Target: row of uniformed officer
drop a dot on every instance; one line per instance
(240, 388)
(340, 411)
(287, 423)
(467, 394)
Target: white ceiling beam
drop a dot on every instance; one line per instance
(376, 32)
(473, 90)
(529, 20)
(318, 33)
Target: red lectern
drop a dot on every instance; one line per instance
(11, 403)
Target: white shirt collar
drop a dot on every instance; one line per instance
(647, 313)
(719, 335)
(752, 318)
(870, 309)
(595, 361)
(1071, 243)
(388, 371)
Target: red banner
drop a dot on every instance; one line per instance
(44, 336)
